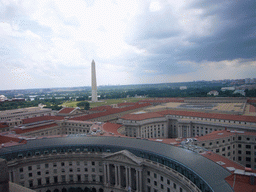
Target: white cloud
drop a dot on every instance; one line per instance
(54, 41)
(155, 6)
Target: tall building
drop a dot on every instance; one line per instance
(94, 83)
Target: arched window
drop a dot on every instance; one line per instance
(86, 189)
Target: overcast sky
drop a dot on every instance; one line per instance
(47, 43)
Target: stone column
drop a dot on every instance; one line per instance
(105, 174)
(130, 177)
(179, 131)
(119, 175)
(126, 175)
(140, 180)
(115, 175)
(165, 130)
(108, 175)
(137, 180)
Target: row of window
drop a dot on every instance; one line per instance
(207, 119)
(70, 170)
(162, 188)
(62, 179)
(54, 151)
(78, 125)
(155, 183)
(62, 164)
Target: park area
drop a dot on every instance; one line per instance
(103, 102)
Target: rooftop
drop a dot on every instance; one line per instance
(7, 139)
(213, 174)
(112, 128)
(222, 161)
(141, 116)
(241, 183)
(21, 131)
(3, 125)
(222, 134)
(110, 111)
(66, 110)
(42, 118)
(209, 115)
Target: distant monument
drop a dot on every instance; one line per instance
(94, 83)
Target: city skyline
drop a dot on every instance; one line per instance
(51, 44)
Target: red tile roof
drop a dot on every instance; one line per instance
(3, 125)
(21, 131)
(228, 163)
(142, 116)
(5, 139)
(101, 108)
(163, 100)
(252, 100)
(252, 109)
(110, 111)
(42, 118)
(125, 104)
(209, 115)
(66, 110)
(222, 134)
(112, 128)
(241, 183)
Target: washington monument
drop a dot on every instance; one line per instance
(94, 83)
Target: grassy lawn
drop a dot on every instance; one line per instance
(103, 102)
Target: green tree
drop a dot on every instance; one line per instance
(84, 104)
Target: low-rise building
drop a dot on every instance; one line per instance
(237, 146)
(213, 92)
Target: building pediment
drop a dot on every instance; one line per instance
(125, 157)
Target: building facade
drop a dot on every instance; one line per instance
(182, 124)
(111, 164)
(235, 145)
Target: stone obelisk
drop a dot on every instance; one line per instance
(94, 83)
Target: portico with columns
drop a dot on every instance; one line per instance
(123, 170)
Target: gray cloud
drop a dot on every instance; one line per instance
(233, 37)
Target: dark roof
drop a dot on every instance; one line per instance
(213, 174)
